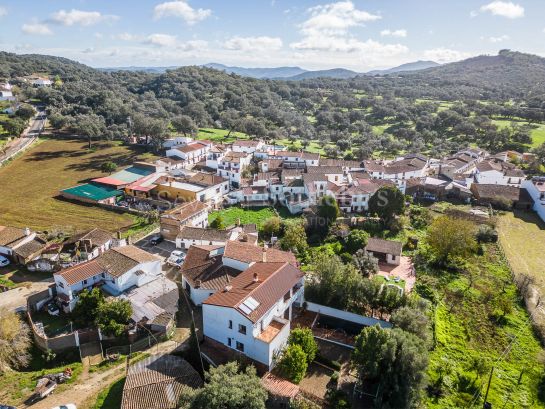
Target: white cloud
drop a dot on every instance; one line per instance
(504, 9)
(394, 33)
(3, 11)
(498, 39)
(335, 18)
(262, 43)
(36, 29)
(79, 17)
(161, 40)
(182, 9)
(444, 55)
(126, 36)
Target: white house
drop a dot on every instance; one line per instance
(387, 251)
(497, 172)
(297, 159)
(191, 153)
(115, 271)
(5, 92)
(231, 166)
(246, 146)
(178, 140)
(89, 244)
(252, 313)
(41, 82)
(194, 214)
(12, 238)
(216, 153)
(536, 189)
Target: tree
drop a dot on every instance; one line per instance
(15, 126)
(396, 360)
(328, 209)
(15, 341)
(87, 306)
(271, 226)
(386, 203)
(218, 223)
(295, 238)
(90, 125)
(113, 316)
(108, 167)
(449, 237)
(305, 339)
(184, 124)
(293, 364)
(227, 387)
(356, 240)
(365, 263)
(25, 111)
(411, 320)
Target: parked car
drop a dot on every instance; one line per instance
(176, 258)
(4, 261)
(53, 309)
(7, 407)
(67, 406)
(156, 239)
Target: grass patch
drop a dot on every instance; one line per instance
(31, 198)
(220, 135)
(110, 398)
(470, 328)
(231, 215)
(17, 386)
(381, 279)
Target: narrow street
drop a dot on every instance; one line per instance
(27, 138)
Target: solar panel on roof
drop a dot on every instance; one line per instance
(251, 302)
(245, 308)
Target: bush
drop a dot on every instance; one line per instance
(305, 339)
(293, 364)
(346, 257)
(335, 377)
(486, 234)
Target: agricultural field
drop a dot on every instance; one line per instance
(537, 133)
(31, 184)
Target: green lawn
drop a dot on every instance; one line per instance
(537, 133)
(31, 198)
(110, 398)
(471, 331)
(382, 279)
(231, 215)
(220, 135)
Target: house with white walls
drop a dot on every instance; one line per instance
(192, 152)
(536, 189)
(115, 271)
(246, 146)
(252, 313)
(494, 171)
(208, 268)
(231, 166)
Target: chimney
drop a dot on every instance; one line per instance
(198, 283)
(27, 231)
(256, 278)
(228, 288)
(264, 255)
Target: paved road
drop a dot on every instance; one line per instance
(29, 135)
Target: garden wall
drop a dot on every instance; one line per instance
(345, 315)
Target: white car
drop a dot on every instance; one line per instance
(4, 261)
(176, 258)
(67, 406)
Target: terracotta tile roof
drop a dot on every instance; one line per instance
(185, 210)
(97, 237)
(340, 162)
(273, 163)
(158, 382)
(246, 143)
(206, 179)
(249, 253)
(328, 170)
(409, 164)
(373, 166)
(492, 192)
(277, 386)
(377, 245)
(11, 236)
(191, 147)
(274, 280)
(203, 268)
(119, 260)
(234, 157)
(197, 233)
(80, 272)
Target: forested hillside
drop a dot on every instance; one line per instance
(496, 102)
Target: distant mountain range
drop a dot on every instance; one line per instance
(288, 73)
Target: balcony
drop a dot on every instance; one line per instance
(272, 330)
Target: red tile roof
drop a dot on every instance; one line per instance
(80, 272)
(249, 253)
(273, 281)
(279, 387)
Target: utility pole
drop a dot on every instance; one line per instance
(487, 405)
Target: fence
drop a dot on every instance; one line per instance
(140, 345)
(345, 315)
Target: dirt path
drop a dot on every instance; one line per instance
(90, 384)
(16, 298)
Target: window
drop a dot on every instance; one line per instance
(240, 346)
(242, 329)
(230, 324)
(218, 190)
(229, 341)
(84, 281)
(61, 285)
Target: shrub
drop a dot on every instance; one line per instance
(486, 234)
(305, 339)
(293, 364)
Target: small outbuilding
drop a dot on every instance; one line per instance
(387, 251)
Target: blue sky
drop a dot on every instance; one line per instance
(357, 34)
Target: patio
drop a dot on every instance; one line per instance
(405, 271)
